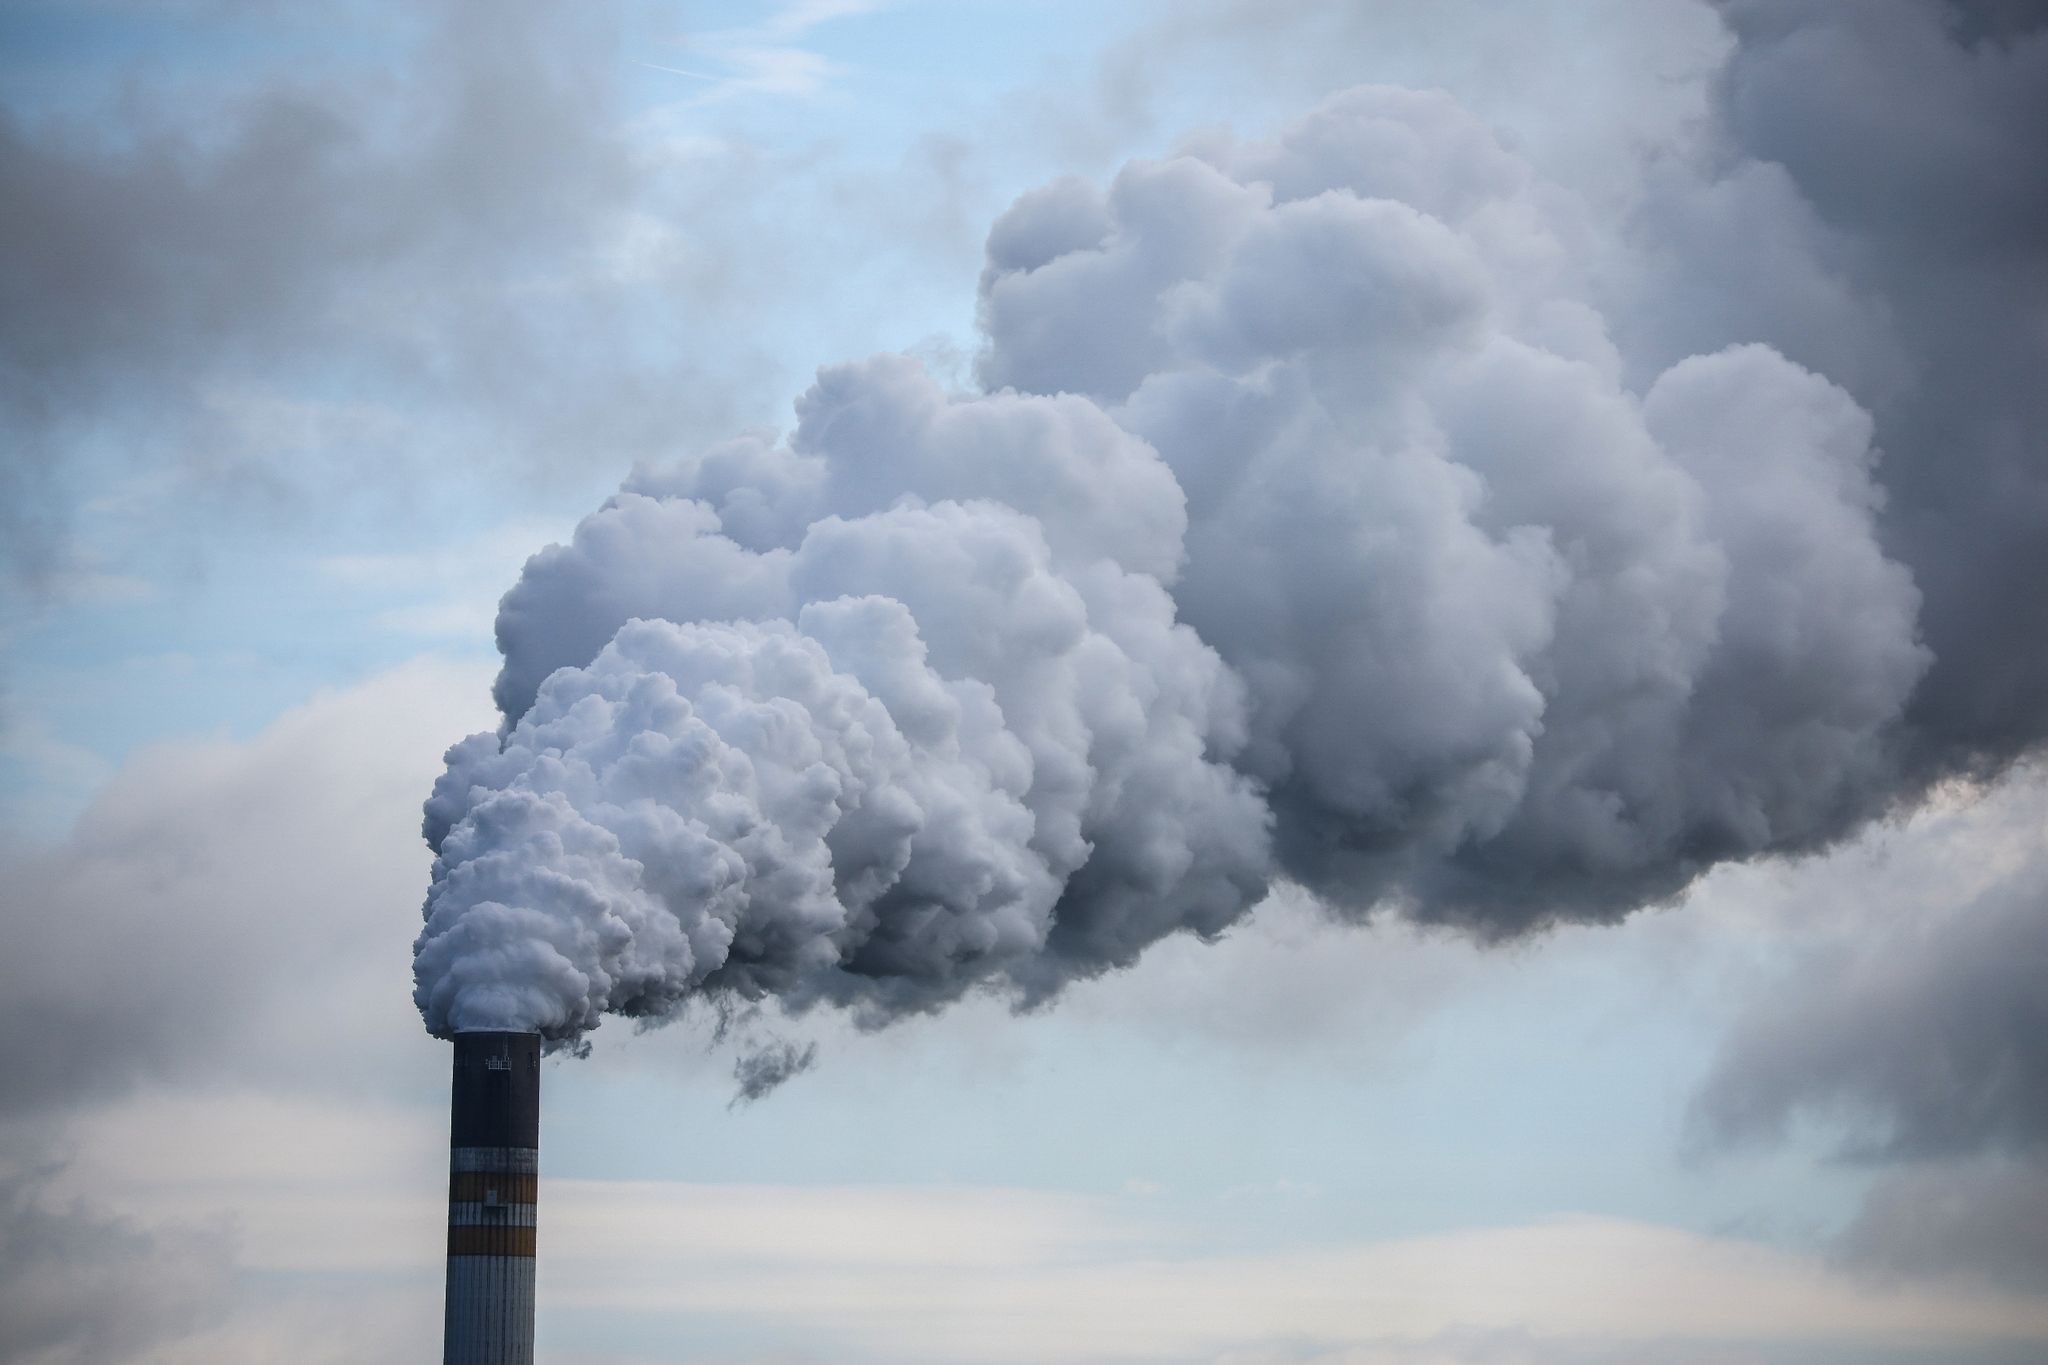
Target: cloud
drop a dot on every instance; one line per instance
(447, 591)
(956, 1272)
(884, 1273)
(1550, 73)
(369, 1166)
(1044, 1279)
(220, 906)
(1906, 1029)
(1984, 1219)
(1925, 1037)
(192, 1247)
(56, 772)
(1287, 987)
(1515, 544)
(80, 1286)
(769, 57)
(299, 287)
(1523, 1348)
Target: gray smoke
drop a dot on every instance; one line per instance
(761, 1068)
(1885, 184)
(1341, 508)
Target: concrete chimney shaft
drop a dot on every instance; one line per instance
(493, 1168)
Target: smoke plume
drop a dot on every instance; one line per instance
(1343, 508)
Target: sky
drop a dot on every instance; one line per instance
(1454, 591)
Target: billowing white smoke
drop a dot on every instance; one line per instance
(1305, 528)
(927, 751)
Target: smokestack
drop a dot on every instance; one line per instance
(493, 1168)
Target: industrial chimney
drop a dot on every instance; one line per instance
(493, 1168)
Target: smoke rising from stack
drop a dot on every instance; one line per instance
(1322, 514)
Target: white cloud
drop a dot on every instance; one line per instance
(222, 908)
(799, 17)
(447, 590)
(767, 57)
(347, 1202)
(881, 1272)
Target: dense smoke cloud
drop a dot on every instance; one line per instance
(1883, 163)
(877, 798)
(1519, 643)
(1351, 507)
